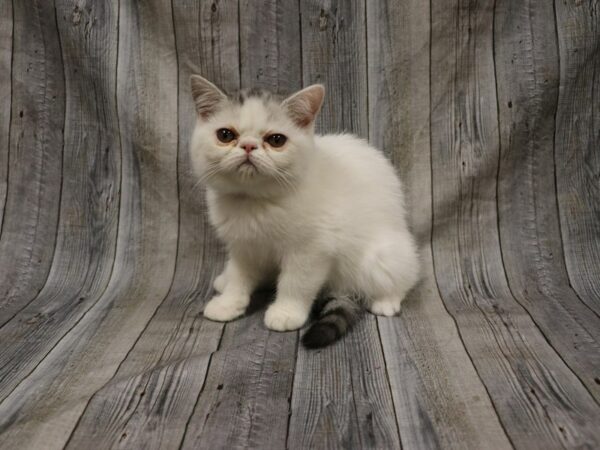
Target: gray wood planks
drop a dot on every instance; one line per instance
(86, 237)
(527, 76)
(45, 406)
(6, 51)
(323, 414)
(577, 157)
(439, 400)
(527, 381)
(35, 156)
(148, 402)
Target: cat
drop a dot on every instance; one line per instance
(312, 213)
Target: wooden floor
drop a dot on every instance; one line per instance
(490, 111)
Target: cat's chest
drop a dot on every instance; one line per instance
(252, 221)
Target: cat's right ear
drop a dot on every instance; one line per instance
(207, 96)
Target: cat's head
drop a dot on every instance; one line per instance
(253, 143)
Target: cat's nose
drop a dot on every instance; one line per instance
(248, 146)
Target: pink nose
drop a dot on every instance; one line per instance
(248, 147)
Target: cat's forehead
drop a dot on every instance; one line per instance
(256, 107)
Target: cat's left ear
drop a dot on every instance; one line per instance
(207, 96)
(303, 106)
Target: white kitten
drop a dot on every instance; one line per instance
(310, 212)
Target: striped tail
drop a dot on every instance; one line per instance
(334, 317)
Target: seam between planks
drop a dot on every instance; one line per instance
(434, 272)
(291, 396)
(10, 115)
(210, 358)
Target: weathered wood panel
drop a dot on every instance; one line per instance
(577, 154)
(150, 398)
(35, 156)
(439, 400)
(334, 53)
(527, 71)
(6, 51)
(527, 381)
(45, 406)
(86, 239)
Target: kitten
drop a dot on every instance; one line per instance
(307, 211)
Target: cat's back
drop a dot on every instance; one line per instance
(355, 161)
(355, 176)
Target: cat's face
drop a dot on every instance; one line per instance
(253, 144)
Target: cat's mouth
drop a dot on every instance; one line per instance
(247, 165)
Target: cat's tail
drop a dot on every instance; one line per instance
(334, 318)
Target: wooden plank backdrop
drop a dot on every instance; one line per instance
(488, 109)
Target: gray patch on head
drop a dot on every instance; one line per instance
(262, 94)
(271, 101)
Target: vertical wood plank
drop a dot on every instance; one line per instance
(439, 400)
(85, 247)
(527, 72)
(6, 51)
(341, 394)
(245, 400)
(527, 381)
(577, 138)
(149, 400)
(44, 408)
(269, 45)
(35, 156)
(334, 53)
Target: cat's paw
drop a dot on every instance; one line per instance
(224, 309)
(285, 317)
(388, 306)
(219, 283)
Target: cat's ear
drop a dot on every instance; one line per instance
(207, 96)
(303, 106)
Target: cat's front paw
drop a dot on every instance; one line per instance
(285, 317)
(224, 309)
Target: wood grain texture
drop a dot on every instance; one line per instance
(85, 246)
(527, 73)
(577, 138)
(334, 54)
(439, 400)
(35, 156)
(149, 400)
(43, 409)
(6, 51)
(341, 395)
(245, 401)
(527, 381)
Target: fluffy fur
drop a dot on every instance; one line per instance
(319, 213)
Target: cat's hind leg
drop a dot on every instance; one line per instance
(389, 270)
(221, 281)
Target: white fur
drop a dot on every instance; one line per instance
(323, 211)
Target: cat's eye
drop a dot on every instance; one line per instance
(225, 135)
(276, 140)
